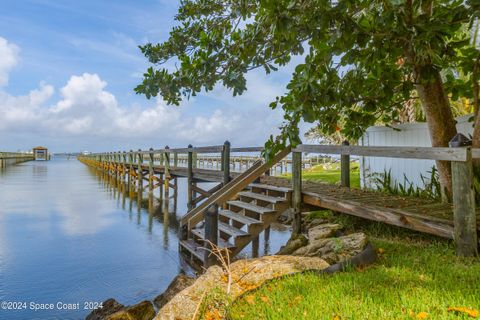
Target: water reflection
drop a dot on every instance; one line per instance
(162, 210)
(68, 234)
(72, 233)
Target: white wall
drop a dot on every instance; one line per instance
(410, 134)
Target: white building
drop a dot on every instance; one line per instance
(409, 134)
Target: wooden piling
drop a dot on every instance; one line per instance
(297, 192)
(211, 234)
(167, 173)
(150, 171)
(140, 171)
(464, 217)
(130, 168)
(124, 165)
(226, 162)
(266, 234)
(190, 178)
(345, 167)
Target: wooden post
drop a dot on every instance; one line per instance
(118, 161)
(226, 162)
(464, 217)
(150, 171)
(211, 234)
(255, 247)
(139, 170)
(130, 168)
(190, 178)
(175, 159)
(297, 192)
(345, 167)
(124, 165)
(167, 173)
(195, 159)
(266, 234)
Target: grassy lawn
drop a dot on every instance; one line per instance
(416, 277)
(330, 173)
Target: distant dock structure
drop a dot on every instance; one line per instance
(41, 153)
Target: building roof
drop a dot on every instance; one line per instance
(39, 148)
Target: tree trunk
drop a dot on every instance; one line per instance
(441, 123)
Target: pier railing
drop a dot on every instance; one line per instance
(216, 163)
(463, 193)
(7, 158)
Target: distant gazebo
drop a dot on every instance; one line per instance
(40, 153)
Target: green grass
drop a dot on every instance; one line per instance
(330, 173)
(416, 273)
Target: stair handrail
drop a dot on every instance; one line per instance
(194, 216)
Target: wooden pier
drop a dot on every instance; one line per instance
(242, 205)
(8, 158)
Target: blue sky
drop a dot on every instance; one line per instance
(69, 69)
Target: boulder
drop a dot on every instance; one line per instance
(309, 224)
(246, 275)
(179, 283)
(141, 311)
(322, 231)
(109, 307)
(286, 217)
(334, 250)
(293, 244)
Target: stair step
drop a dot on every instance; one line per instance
(232, 231)
(194, 248)
(269, 187)
(250, 207)
(221, 242)
(263, 197)
(239, 217)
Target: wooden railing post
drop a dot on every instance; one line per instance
(195, 159)
(297, 192)
(211, 234)
(175, 159)
(167, 173)
(150, 171)
(139, 170)
(226, 162)
(130, 167)
(190, 178)
(117, 164)
(111, 156)
(345, 167)
(464, 216)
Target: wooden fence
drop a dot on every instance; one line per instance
(463, 198)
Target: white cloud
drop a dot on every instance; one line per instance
(19, 112)
(87, 116)
(8, 59)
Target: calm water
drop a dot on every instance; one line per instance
(70, 235)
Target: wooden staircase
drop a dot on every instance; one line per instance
(246, 210)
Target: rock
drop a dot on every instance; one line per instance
(334, 250)
(179, 283)
(109, 307)
(322, 231)
(293, 244)
(315, 222)
(286, 217)
(246, 274)
(141, 311)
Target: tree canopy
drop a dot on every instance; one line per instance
(363, 59)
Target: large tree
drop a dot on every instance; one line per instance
(363, 59)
